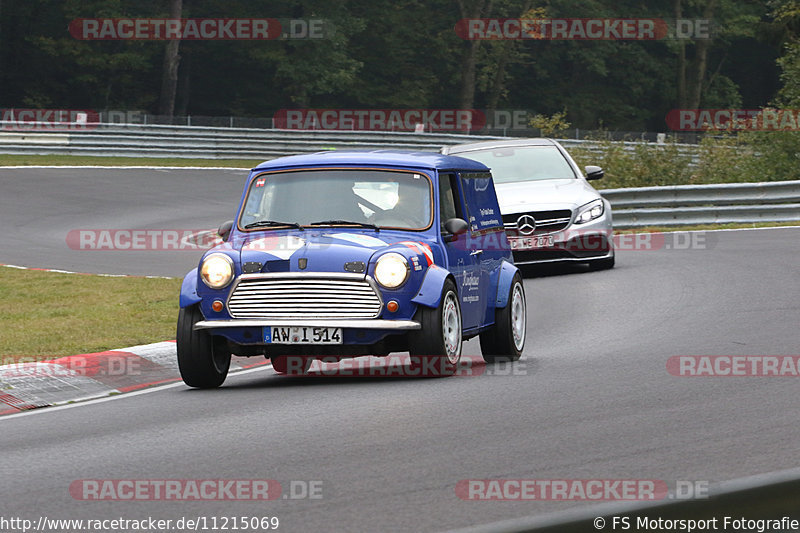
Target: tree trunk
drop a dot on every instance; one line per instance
(184, 82)
(692, 74)
(468, 75)
(496, 89)
(169, 79)
(504, 49)
(681, 82)
(474, 10)
(702, 47)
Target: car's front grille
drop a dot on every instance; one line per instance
(291, 296)
(546, 221)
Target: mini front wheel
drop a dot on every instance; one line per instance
(203, 360)
(440, 337)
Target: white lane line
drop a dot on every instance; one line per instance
(148, 390)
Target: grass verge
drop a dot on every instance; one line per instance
(49, 314)
(79, 160)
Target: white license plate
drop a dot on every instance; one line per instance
(302, 335)
(528, 243)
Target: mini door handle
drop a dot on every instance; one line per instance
(476, 252)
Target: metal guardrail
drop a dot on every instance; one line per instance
(159, 140)
(689, 151)
(705, 204)
(635, 207)
(139, 140)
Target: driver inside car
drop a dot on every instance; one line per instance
(412, 209)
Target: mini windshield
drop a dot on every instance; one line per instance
(523, 163)
(325, 197)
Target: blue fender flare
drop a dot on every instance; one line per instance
(430, 292)
(507, 272)
(189, 290)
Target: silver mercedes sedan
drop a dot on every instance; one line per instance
(550, 211)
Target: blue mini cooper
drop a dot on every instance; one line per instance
(343, 254)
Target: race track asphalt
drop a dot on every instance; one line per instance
(39, 207)
(591, 398)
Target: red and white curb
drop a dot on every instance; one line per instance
(57, 271)
(29, 384)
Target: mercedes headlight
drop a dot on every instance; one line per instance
(217, 271)
(590, 211)
(391, 270)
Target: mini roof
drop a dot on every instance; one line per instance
(382, 158)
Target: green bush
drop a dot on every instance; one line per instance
(646, 164)
(727, 158)
(723, 159)
(775, 155)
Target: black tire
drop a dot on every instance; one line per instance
(299, 364)
(435, 348)
(203, 360)
(602, 264)
(506, 339)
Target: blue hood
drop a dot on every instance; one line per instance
(323, 250)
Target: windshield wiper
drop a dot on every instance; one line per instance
(345, 222)
(271, 223)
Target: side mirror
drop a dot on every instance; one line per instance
(594, 172)
(454, 227)
(224, 230)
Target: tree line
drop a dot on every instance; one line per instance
(400, 54)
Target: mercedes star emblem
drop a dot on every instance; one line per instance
(526, 224)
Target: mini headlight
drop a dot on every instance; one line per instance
(391, 270)
(217, 271)
(590, 211)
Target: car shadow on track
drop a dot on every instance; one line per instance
(545, 270)
(372, 370)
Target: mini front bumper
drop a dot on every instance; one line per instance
(392, 325)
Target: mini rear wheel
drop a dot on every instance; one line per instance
(506, 339)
